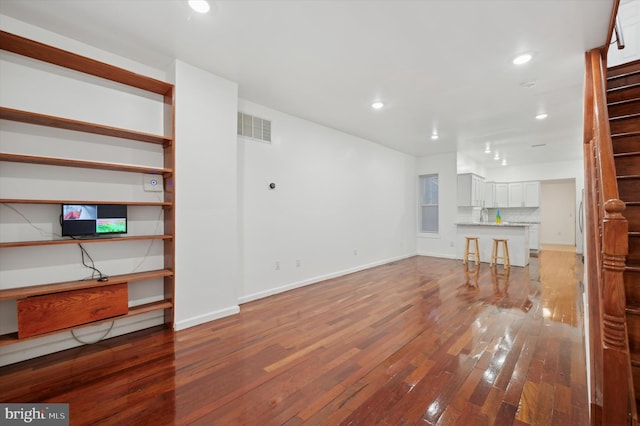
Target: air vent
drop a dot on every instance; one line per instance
(254, 127)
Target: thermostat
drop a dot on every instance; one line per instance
(153, 183)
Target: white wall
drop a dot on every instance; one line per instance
(207, 216)
(443, 243)
(340, 204)
(546, 171)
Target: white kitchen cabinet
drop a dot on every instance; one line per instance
(470, 190)
(490, 195)
(502, 195)
(516, 194)
(531, 194)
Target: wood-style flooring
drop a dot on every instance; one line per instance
(418, 341)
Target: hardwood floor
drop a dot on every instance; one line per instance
(412, 342)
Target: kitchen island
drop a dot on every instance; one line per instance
(516, 234)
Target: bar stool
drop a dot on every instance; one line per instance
(475, 255)
(505, 253)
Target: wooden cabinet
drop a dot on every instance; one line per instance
(470, 190)
(502, 195)
(33, 298)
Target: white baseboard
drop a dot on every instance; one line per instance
(209, 316)
(317, 279)
(440, 255)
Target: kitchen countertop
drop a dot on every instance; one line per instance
(516, 233)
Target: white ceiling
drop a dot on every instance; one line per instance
(443, 64)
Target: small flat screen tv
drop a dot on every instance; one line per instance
(93, 219)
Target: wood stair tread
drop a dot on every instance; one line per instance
(628, 177)
(623, 74)
(624, 117)
(632, 268)
(632, 308)
(620, 88)
(622, 102)
(629, 71)
(623, 68)
(625, 134)
(627, 154)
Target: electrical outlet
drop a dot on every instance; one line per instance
(152, 183)
(277, 265)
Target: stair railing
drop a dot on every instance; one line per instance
(612, 393)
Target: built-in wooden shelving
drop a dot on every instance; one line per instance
(45, 53)
(36, 290)
(84, 240)
(65, 162)
(128, 203)
(80, 126)
(69, 60)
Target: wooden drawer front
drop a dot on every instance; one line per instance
(51, 312)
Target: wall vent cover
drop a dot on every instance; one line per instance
(254, 127)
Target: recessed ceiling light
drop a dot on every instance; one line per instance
(487, 148)
(522, 59)
(504, 161)
(200, 6)
(541, 116)
(528, 84)
(496, 156)
(434, 137)
(377, 105)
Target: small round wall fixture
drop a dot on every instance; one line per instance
(272, 185)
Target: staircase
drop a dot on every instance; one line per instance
(623, 99)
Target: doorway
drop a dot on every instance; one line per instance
(558, 212)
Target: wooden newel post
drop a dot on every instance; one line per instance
(616, 363)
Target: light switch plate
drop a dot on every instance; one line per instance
(153, 183)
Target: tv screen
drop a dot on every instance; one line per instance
(93, 219)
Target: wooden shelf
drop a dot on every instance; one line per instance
(51, 161)
(128, 203)
(75, 241)
(12, 338)
(36, 290)
(53, 55)
(80, 126)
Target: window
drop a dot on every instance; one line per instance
(429, 204)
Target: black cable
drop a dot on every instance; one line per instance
(95, 270)
(77, 339)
